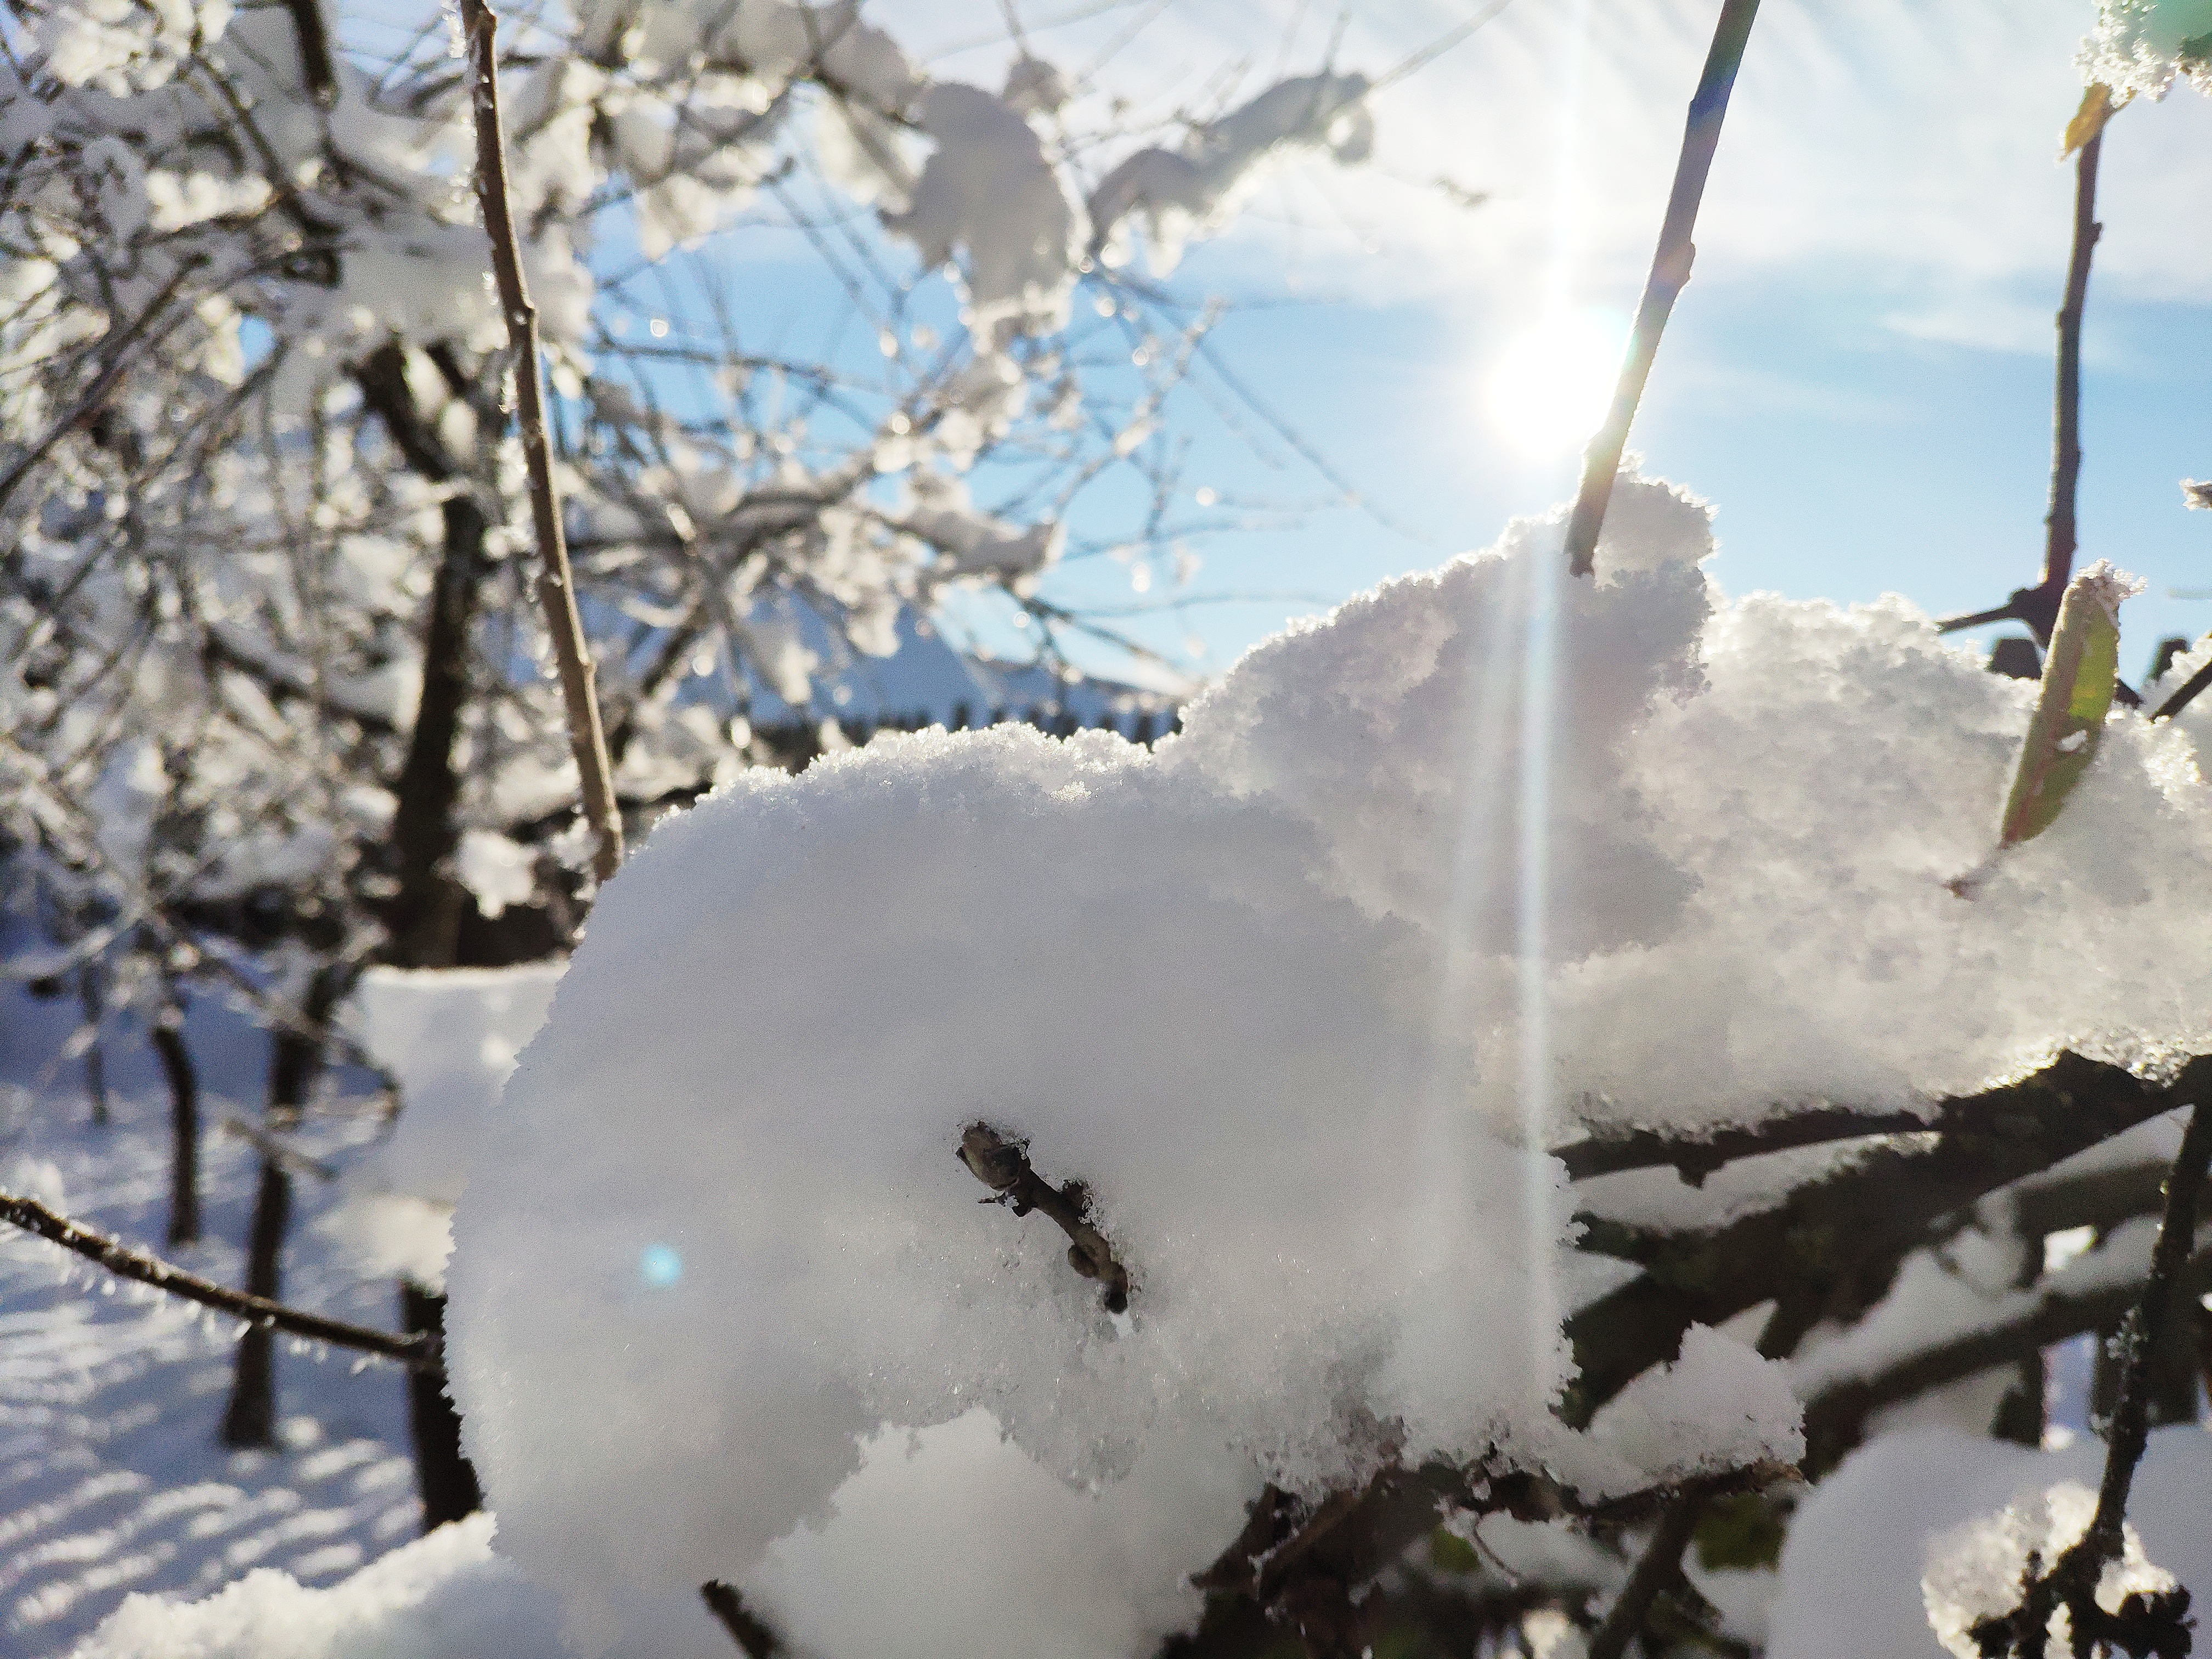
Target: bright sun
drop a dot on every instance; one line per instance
(1549, 389)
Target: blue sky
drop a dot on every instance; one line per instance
(1859, 377)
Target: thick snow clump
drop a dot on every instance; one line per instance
(2142, 45)
(450, 1038)
(1486, 858)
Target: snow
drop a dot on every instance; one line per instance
(1181, 981)
(2140, 46)
(988, 188)
(449, 1038)
(1919, 1504)
(439, 1597)
(112, 1479)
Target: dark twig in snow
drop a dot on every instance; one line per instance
(745, 1627)
(1660, 1565)
(2185, 694)
(126, 1263)
(314, 37)
(2144, 1624)
(1003, 1165)
(556, 590)
(1670, 272)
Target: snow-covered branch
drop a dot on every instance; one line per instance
(414, 1351)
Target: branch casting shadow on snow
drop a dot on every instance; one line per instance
(416, 1353)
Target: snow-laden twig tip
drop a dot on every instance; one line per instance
(1003, 1165)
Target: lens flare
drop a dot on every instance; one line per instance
(1550, 387)
(660, 1265)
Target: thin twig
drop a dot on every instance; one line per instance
(556, 593)
(1003, 1165)
(1670, 272)
(2185, 694)
(746, 1628)
(124, 1262)
(2037, 606)
(274, 1147)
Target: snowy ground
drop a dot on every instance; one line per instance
(112, 1479)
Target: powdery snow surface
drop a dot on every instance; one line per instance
(443, 1595)
(2142, 45)
(1957, 1511)
(112, 1479)
(450, 1038)
(1256, 991)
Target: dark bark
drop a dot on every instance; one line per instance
(295, 1056)
(424, 916)
(443, 1474)
(250, 1419)
(90, 999)
(183, 1125)
(753, 1637)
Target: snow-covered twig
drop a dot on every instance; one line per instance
(2154, 1622)
(1833, 1233)
(1003, 1165)
(126, 1263)
(557, 590)
(2052, 1089)
(1670, 272)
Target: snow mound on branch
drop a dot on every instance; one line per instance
(1488, 858)
(1898, 1511)
(734, 1237)
(443, 1596)
(450, 1036)
(2140, 46)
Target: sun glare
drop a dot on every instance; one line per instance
(1548, 391)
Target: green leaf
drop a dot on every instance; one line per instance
(2078, 673)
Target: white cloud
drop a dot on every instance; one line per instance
(1911, 143)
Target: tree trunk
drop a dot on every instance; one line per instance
(295, 1058)
(423, 915)
(251, 1418)
(91, 1000)
(446, 1478)
(184, 1123)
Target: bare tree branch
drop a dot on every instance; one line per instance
(126, 1263)
(557, 591)
(1670, 272)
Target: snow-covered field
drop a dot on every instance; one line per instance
(112, 1476)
